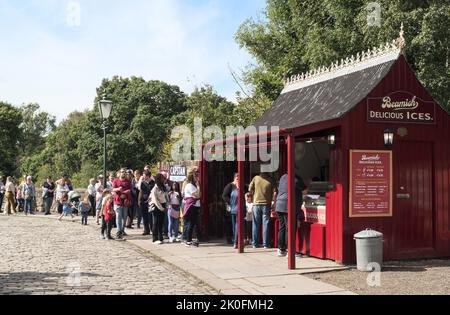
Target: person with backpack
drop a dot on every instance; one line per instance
(29, 193)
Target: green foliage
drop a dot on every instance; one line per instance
(140, 122)
(212, 108)
(87, 171)
(295, 36)
(10, 120)
(36, 125)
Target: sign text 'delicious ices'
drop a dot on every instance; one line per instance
(400, 107)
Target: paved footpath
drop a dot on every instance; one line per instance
(42, 256)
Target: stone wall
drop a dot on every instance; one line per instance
(39, 200)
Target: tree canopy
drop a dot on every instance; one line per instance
(10, 120)
(291, 36)
(295, 36)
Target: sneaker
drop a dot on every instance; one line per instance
(102, 237)
(281, 253)
(157, 242)
(235, 246)
(266, 247)
(171, 240)
(189, 244)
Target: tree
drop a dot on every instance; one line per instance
(212, 108)
(141, 119)
(36, 125)
(10, 119)
(295, 36)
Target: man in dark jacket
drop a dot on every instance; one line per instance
(282, 208)
(145, 189)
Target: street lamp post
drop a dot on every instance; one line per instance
(105, 108)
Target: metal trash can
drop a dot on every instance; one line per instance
(369, 250)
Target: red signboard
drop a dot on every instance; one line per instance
(401, 107)
(370, 183)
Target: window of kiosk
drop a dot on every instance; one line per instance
(312, 165)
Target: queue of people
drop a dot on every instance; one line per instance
(157, 205)
(264, 200)
(129, 200)
(19, 197)
(154, 204)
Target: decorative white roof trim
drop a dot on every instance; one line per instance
(364, 60)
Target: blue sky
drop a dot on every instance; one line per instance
(55, 52)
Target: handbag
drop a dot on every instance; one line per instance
(273, 214)
(153, 207)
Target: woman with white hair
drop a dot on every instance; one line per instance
(29, 193)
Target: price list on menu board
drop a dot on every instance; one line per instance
(370, 183)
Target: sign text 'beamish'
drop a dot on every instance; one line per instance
(400, 107)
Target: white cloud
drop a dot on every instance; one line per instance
(60, 67)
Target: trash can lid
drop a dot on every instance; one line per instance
(368, 233)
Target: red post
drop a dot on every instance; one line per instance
(292, 217)
(241, 204)
(204, 189)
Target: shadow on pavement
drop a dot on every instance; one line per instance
(27, 283)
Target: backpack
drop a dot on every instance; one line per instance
(28, 192)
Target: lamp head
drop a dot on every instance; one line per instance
(105, 107)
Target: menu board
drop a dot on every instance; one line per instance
(370, 183)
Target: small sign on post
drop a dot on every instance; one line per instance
(178, 173)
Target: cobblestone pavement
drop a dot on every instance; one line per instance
(43, 256)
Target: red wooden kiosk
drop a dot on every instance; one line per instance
(381, 140)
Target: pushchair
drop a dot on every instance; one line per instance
(74, 201)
